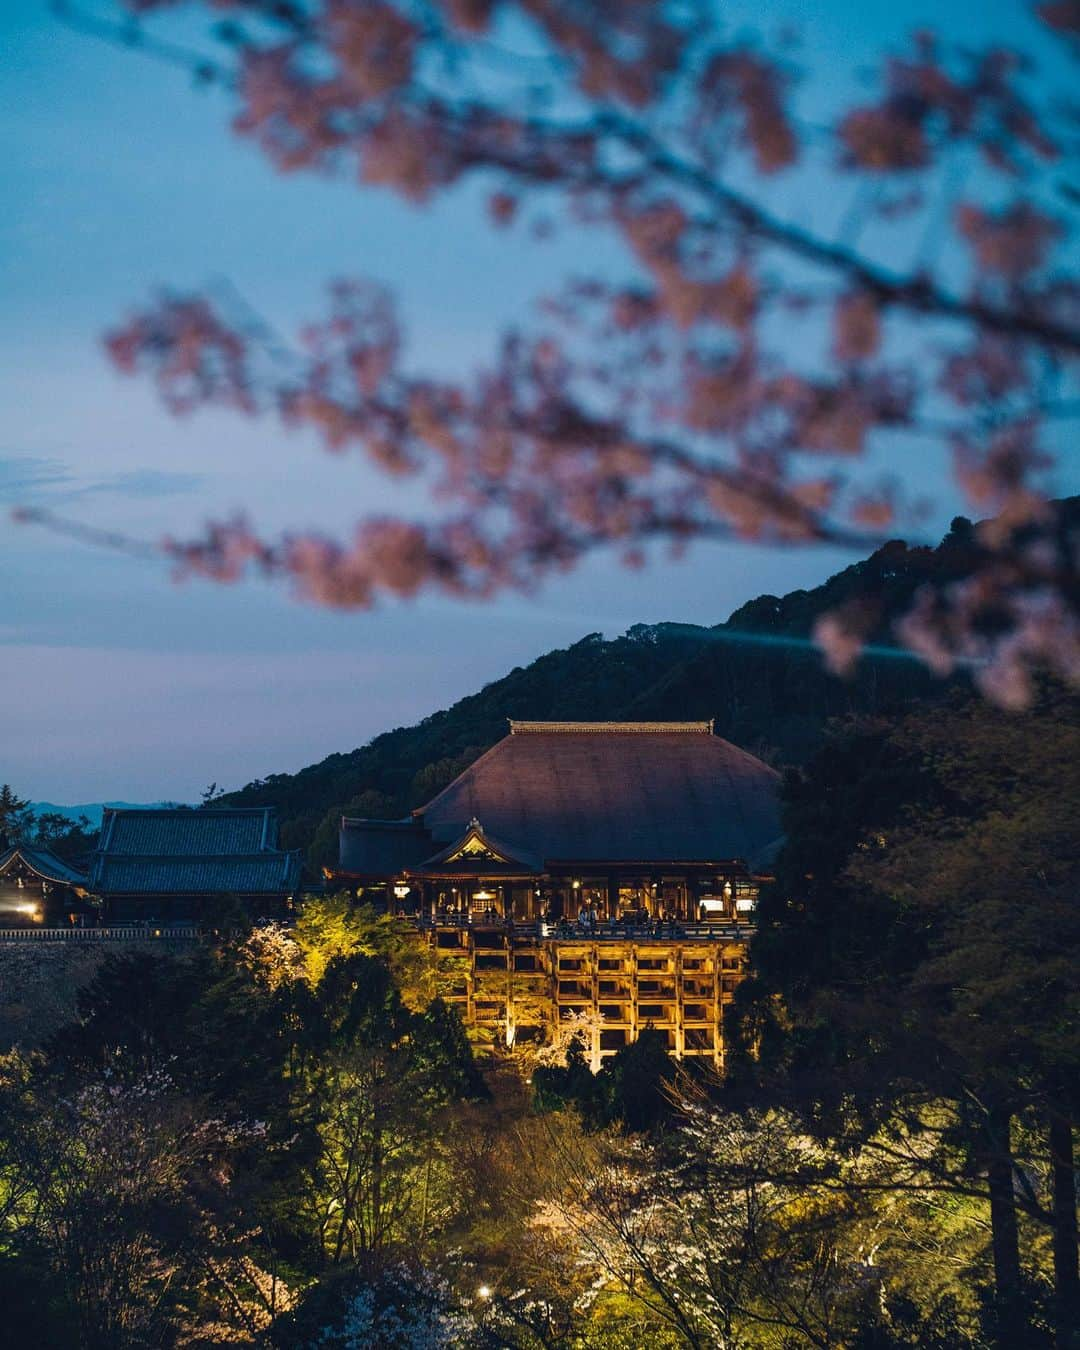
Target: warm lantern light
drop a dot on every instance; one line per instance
(484, 1291)
(576, 885)
(483, 895)
(401, 890)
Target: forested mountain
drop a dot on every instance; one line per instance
(756, 674)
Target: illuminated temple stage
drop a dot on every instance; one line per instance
(511, 987)
(602, 871)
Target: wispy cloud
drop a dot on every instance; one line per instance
(29, 479)
(27, 476)
(143, 483)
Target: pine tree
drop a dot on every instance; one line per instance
(16, 818)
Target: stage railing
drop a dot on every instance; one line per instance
(119, 933)
(553, 930)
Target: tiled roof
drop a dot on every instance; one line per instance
(259, 874)
(45, 863)
(185, 852)
(187, 833)
(615, 792)
(381, 848)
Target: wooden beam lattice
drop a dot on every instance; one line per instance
(506, 987)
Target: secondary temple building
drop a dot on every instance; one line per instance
(155, 867)
(170, 865)
(599, 873)
(38, 888)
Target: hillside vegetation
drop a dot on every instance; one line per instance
(756, 674)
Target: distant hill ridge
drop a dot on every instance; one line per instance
(756, 675)
(93, 811)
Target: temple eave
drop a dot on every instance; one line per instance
(474, 878)
(670, 865)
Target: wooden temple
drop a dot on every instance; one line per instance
(604, 872)
(38, 889)
(179, 865)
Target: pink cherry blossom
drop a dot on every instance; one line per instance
(1010, 243)
(742, 370)
(856, 327)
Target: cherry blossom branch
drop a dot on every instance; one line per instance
(665, 406)
(917, 293)
(132, 36)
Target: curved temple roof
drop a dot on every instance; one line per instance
(614, 792)
(44, 863)
(479, 851)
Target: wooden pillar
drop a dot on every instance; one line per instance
(511, 1018)
(718, 1010)
(552, 959)
(594, 999)
(680, 1004)
(693, 897)
(632, 976)
(467, 936)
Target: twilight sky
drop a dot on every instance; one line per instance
(118, 177)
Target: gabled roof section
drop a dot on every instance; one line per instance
(43, 863)
(188, 833)
(184, 852)
(476, 849)
(615, 791)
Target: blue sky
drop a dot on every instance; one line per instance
(119, 177)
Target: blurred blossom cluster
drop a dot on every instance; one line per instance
(737, 379)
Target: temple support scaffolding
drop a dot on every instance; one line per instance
(513, 989)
